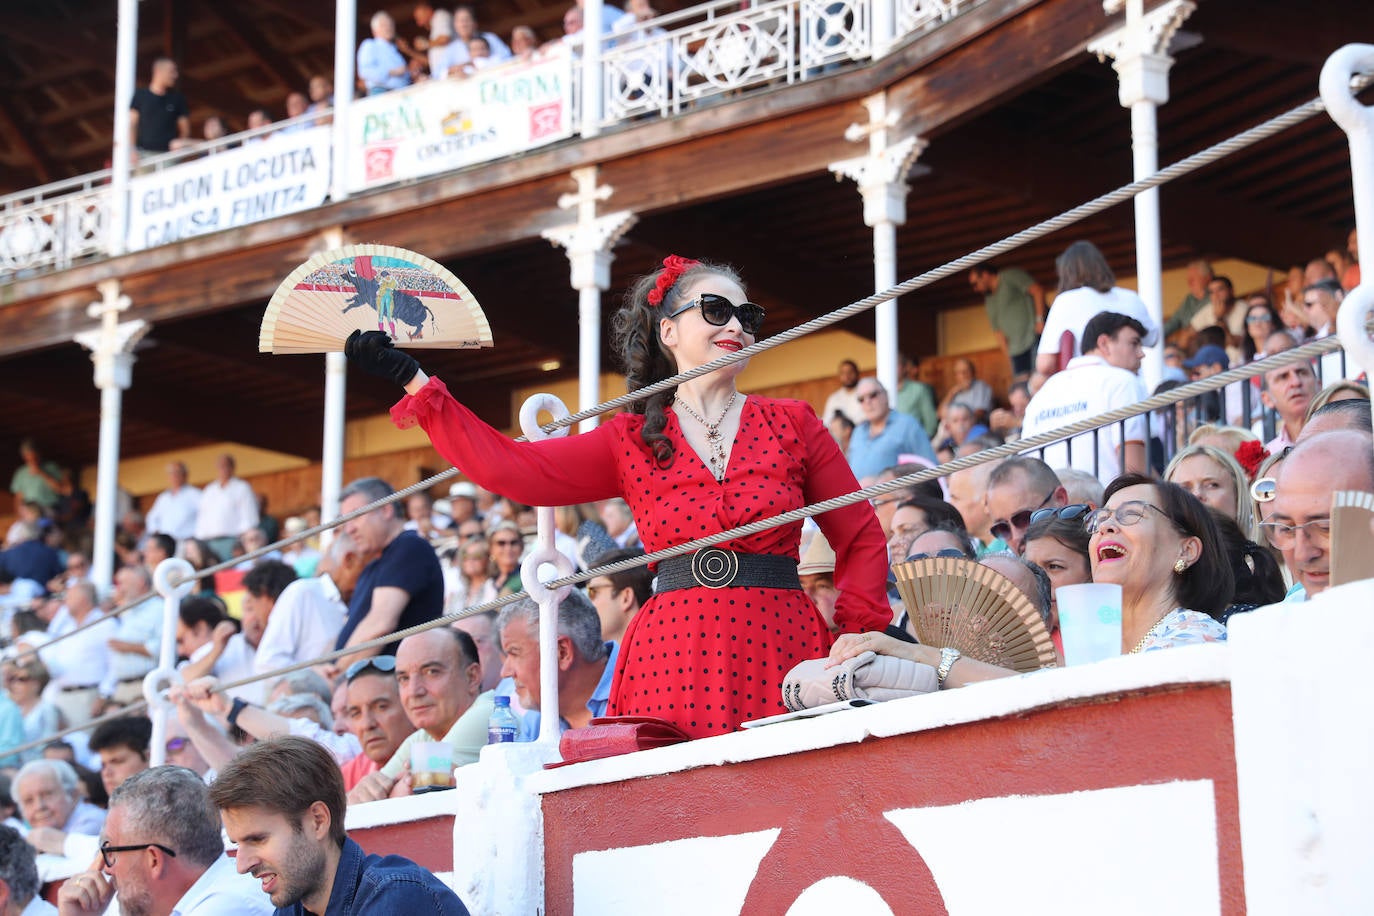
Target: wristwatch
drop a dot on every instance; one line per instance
(948, 657)
(240, 704)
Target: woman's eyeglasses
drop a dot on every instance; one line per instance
(718, 310)
(505, 543)
(1126, 514)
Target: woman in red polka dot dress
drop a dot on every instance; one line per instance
(710, 648)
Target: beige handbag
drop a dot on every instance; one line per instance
(869, 676)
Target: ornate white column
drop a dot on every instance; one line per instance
(111, 349)
(881, 177)
(335, 398)
(126, 61)
(588, 243)
(1139, 56)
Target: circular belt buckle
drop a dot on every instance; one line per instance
(714, 568)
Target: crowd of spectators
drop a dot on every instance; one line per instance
(445, 44)
(1245, 523)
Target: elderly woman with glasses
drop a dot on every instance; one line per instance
(692, 461)
(24, 680)
(1155, 540)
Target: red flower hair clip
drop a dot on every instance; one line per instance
(673, 267)
(1250, 455)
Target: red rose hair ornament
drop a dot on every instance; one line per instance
(673, 267)
(1250, 456)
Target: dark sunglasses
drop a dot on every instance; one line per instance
(1021, 520)
(948, 552)
(1068, 513)
(382, 663)
(718, 310)
(176, 744)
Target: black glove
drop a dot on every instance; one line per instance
(373, 352)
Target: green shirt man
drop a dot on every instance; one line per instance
(1015, 304)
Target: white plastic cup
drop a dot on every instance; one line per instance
(1089, 621)
(431, 765)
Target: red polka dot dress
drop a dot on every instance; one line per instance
(705, 659)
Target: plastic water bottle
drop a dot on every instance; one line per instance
(502, 726)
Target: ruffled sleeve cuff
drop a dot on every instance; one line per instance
(410, 410)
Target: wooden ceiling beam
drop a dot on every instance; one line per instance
(282, 68)
(1061, 176)
(65, 43)
(11, 124)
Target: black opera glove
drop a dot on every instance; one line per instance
(373, 352)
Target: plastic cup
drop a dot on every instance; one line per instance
(1089, 621)
(431, 765)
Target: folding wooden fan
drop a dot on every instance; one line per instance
(371, 288)
(1352, 549)
(960, 604)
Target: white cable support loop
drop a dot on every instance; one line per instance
(1178, 169)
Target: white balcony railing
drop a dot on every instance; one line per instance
(663, 67)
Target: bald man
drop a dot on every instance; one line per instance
(1299, 525)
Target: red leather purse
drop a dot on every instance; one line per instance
(609, 736)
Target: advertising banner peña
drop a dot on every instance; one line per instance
(446, 124)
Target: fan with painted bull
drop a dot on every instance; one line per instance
(371, 287)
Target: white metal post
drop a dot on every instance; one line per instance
(545, 553)
(173, 581)
(345, 40)
(592, 11)
(332, 453)
(335, 402)
(126, 63)
(1357, 120)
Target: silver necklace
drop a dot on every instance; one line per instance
(715, 442)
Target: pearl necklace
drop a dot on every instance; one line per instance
(715, 442)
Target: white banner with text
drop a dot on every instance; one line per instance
(284, 173)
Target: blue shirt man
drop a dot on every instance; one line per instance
(885, 434)
(282, 802)
(382, 885)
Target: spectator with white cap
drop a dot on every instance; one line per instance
(463, 502)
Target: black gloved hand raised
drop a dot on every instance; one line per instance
(373, 352)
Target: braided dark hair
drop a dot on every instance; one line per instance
(635, 336)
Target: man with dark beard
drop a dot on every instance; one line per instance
(162, 853)
(282, 802)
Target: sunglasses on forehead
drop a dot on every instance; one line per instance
(384, 664)
(718, 310)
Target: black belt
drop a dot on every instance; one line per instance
(72, 688)
(716, 568)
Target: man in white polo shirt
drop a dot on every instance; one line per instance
(1102, 379)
